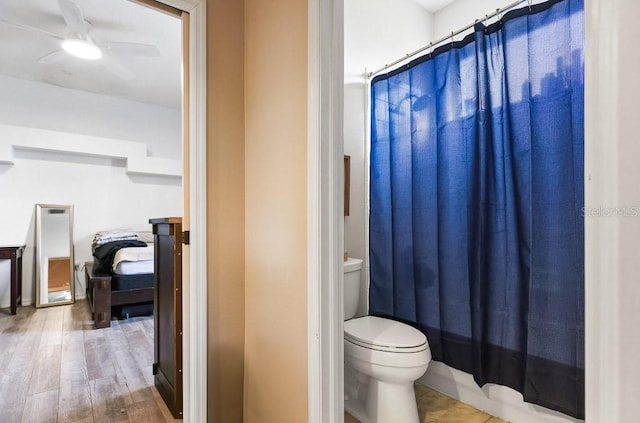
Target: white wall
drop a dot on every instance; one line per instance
(376, 32)
(38, 105)
(104, 196)
(612, 176)
(461, 13)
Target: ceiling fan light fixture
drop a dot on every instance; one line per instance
(82, 49)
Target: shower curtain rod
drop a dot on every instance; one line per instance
(449, 36)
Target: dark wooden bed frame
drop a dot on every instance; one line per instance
(99, 289)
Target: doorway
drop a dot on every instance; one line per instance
(195, 261)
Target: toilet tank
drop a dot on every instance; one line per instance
(352, 269)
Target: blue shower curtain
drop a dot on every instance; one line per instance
(476, 225)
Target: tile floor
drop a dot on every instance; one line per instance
(434, 407)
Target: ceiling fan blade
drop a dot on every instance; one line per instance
(117, 69)
(53, 57)
(73, 17)
(137, 49)
(32, 29)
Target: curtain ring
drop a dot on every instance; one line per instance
(451, 38)
(499, 14)
(529, 4)
(486, 22)
(430, 49)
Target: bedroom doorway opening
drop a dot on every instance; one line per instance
(194, 260)
(171, 280)
(47, 137)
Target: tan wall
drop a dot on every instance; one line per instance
(225, 209)
(275, 211)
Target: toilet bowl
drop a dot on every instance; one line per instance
(383, 358)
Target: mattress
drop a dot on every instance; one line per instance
(133, 260)
(124, 282)
(133, 267)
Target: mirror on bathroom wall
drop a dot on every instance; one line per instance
(54, 255)
(347, 183)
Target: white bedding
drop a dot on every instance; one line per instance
(133, 260)
(134, 267)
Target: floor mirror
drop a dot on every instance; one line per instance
(54, 255)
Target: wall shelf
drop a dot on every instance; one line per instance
(134, 153)
(5, 153)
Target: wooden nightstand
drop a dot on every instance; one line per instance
(14, 253)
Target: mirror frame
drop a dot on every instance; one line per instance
(39, 265)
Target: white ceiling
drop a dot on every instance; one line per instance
(434, 5)
(154, 80)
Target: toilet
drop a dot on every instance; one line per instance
(383, 358)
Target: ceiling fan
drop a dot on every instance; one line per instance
(79, 43)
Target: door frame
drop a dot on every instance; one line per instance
(325, 211)
(325, 227)
(194, 295)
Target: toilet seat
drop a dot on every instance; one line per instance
(380, 334)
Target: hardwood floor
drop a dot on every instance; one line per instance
(54, 367)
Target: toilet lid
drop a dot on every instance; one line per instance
(384, 334)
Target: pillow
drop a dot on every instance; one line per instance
(103, 237)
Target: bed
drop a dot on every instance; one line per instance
(120, 279)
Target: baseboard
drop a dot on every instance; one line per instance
(26, 303)
(496, 400)
(8, 304)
